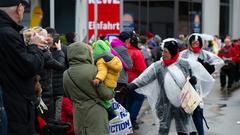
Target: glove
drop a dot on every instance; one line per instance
(207, 66)
(131, 87)
(193, 80)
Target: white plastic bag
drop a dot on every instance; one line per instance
(120, 125)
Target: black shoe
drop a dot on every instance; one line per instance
(135, 125)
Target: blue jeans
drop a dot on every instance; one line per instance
(3, 115)
(198, 120)
(134, 102)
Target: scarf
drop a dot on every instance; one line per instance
(172, 60)
(196, 49)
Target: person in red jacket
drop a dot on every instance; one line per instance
(134, 100)
(235, 59)
(67, 114)
(227, 53)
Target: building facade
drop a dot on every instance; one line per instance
(168, 18)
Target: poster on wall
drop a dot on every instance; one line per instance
(196, 23)
(128, 22)
(108, 17)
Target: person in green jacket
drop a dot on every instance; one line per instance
(89, 115)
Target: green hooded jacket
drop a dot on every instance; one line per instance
(89, 117)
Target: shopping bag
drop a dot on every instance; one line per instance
(121, 124)
(189, 98)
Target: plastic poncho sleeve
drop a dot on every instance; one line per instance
(149, 86)
(205, 81)
(214, 60)
(146, 77)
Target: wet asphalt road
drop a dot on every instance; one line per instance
(222, 112)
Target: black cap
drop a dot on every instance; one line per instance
(9, 3)
(123, 36)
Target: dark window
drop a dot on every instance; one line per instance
(187, 11)
(161, 17)
(224, 18)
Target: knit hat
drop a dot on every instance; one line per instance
(100, 48)
(149, 35)
(195, 37)
(172, 46)
(9, 3)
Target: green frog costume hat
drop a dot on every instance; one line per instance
(100, 48)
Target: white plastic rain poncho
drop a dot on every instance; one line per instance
(206, 56)
(157, 83)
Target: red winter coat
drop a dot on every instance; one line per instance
(67, 113)
(229, 52)
(138, 61)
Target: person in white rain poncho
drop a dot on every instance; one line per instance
(211, 63)
(166, 79)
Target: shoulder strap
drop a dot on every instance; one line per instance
(84, 91)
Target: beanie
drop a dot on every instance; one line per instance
(172, 46)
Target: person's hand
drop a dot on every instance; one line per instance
(58, 45)
(193, 80)
(207, 66)
(96, 82)
(38, 40)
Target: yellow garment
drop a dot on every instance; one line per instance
(108, 72)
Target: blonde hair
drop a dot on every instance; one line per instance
(28, 33)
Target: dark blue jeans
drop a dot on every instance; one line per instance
(3, 115)
(134, 102)
(198, 120)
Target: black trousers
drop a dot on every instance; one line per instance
(227, 71)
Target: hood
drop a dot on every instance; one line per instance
(116, 42)
(195, 37)
(79, 53)
(5, 20)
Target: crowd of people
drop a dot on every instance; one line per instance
(46, 86)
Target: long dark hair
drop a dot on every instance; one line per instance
(134, 40)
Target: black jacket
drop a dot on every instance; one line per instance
(50, 64)
(18, 65)
(57, 78)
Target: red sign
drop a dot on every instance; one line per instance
(108, 17)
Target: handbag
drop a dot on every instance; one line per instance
(123, 120)
(189, 97)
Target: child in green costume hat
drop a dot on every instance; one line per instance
(109, 68)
